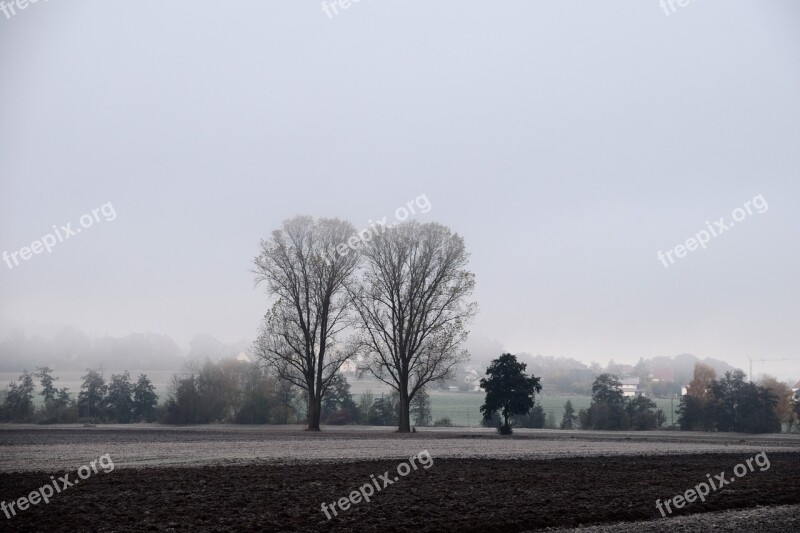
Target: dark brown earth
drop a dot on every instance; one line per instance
(453, 495)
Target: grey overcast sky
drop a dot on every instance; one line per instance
(567, 141)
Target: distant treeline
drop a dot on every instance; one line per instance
(660, 377)
(733, 404)
(119, 401)
(610, 410)
(233, 391)
(727, 404)
(229, 391)
(245, 393)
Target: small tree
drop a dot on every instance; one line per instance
(338, 407)
(697, 409)
(119, 402)
(421, 408)
(92, 395)
(534, 419)
(385, 411)
(607, 410)
(643, 415)
(797, 409)
(784, 410)
(570, 419)
(258, 396)
(145, 399)
(63, 399)
(46, 380)
(364, 407)
(756, 410)
(508, 389)
(18, 404)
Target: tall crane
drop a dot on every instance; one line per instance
(762, 364)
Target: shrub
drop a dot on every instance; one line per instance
(342, 417)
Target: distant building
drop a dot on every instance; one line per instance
(472, 379)
(243, 358)
(630, 387)
(349, 367)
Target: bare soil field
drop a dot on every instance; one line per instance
(62, 448)
(244, 479)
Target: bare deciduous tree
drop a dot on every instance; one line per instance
(413, 309)
(300, 335)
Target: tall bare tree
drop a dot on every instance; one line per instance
(412, 304)
(300, 336)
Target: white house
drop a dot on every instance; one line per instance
(473, 379)
(630, 387)
(349, 367)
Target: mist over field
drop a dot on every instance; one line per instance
(354, 265)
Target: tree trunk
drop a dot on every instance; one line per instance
(313, 412)
(405, 417)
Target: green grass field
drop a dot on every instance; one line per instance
(464, 408)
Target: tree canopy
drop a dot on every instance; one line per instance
(508, 389)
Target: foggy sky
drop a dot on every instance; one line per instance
(567, 141)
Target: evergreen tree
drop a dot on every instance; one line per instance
(119, 402)
(46, 380)
(338, 406)
(92, 395)
(145, 399)
(385, 411)
(18, 405)
(570, 420)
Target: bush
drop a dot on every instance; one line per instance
(505, 430)
(385, 411)
(443, 422)
(229, 391)
(534, 419)
(60, 415)
(342, 417)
